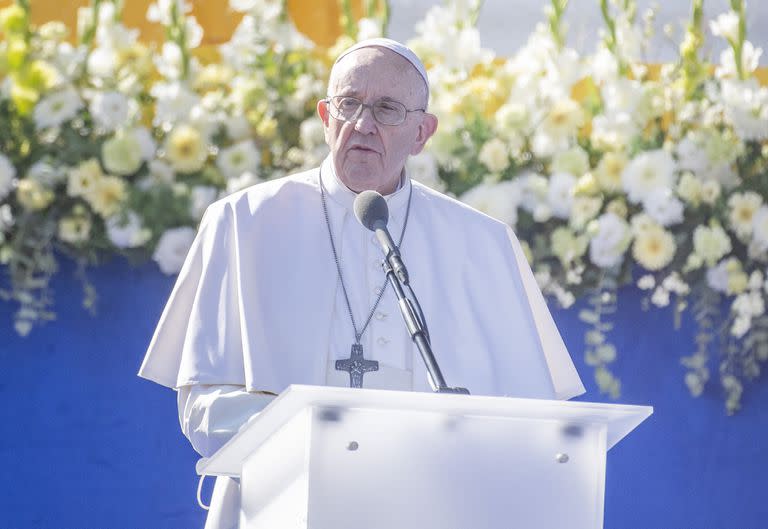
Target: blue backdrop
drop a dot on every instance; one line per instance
(84, 443)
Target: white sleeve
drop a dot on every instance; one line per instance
(210, 415)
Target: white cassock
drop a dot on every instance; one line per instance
(258, 306)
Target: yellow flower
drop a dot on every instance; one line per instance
(608, 171)
(83, 178)
(24, 98)
(107, 195)
(39, 75)
(32, 195)
(186, 149)
(122, 154)
(13, 19)
(654, 247)
(16, 53)
(74, 229)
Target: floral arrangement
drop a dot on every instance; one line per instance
(611, 171)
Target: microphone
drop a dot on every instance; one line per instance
(372, 212)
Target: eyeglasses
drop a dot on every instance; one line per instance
(385, 111)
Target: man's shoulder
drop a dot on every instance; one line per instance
(287, 188)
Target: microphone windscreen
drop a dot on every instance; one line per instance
(371, 210)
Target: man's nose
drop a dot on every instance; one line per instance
(365, 122)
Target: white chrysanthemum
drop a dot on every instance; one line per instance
(647, 172)
(110, 110)
(560, 194)
(200, 198)
(239, 158)
(726, 25)
(7, 176)
(75, 229)
(107, 195)
(127, 231)
(710, 191)
(689, 188)
(654, 248)
(607, 247)
(499, 200)
(609, 169)
(711, 243)
(172, 249)
(664, 207)
(494, 155)
(173, 102)
(81, 179)
(743, 207)
(423, 169)
(760, 230)
(57, 108)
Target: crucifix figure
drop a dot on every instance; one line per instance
(356, 366)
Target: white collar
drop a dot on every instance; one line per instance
(345, 197)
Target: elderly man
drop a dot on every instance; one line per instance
(282, 281)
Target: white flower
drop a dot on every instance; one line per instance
(368, 28)
(247, 179)
(238, 127)
(654, 248)
(170, 62)
(743, 207)
(560, 196)
(423, 169)
(200, 198)
(746, 107)
(710, 244)
(102, 61)
(7, 176)
(647, 172)
(57, 108)
(127, 231)
(311, 134)
(172, 249)
(533, 191)
(584, 209)
(750, 60)
(760, 230)
(110, 110)
(162, 172)
(611, 240)
(563, 120)
(662, 205)
(574, 161)
(717, 277)
(710, 191)
(499, 200)
(46, 174)
(726, 25)
(238, 159)
(660, 297)
(146, 143)
(740, 326)
(646, 282)
(122, 154)
(174, 102)
(613, 132)
(494, 155)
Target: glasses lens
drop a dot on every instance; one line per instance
(344, 107)
(389, 112)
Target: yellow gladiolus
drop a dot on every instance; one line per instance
(13, 19)
(16, 53)
(24, 98)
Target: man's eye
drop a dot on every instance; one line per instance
(348, 103)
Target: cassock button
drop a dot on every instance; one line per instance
(382, 341)
(381, 316)
(376, 264)
(377, 290)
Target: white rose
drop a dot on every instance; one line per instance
(494, 155)
(172, 249)
(611, 240)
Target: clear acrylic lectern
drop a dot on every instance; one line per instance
(341, 458)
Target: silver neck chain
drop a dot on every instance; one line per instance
(358, 334)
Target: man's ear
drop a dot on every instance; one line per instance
(322, 111)
(426, 129)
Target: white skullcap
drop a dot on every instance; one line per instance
(401, 49)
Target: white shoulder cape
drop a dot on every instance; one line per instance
(253, 301)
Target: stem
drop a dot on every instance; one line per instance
(347, 19)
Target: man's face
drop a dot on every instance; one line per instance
(366, 154)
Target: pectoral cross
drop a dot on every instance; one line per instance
(356, 366)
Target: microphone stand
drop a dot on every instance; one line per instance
(418, 332)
